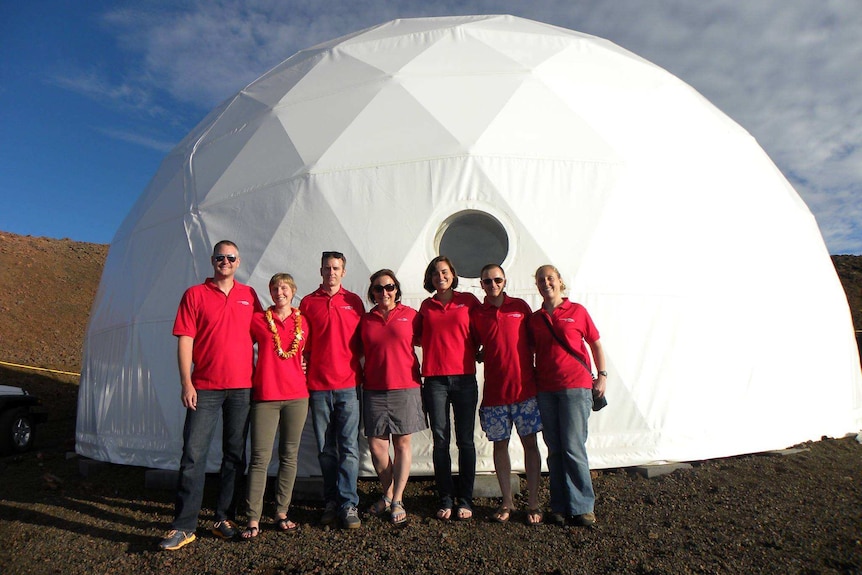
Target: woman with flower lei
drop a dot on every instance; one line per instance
(279, 402)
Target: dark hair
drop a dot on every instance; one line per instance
(379, 274)
(489, 267)
(334, 256)
(432, 267)
(225, 243)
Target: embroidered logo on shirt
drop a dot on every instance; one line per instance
(347, 307)
(402, 319)
(568, 319)
(243, 302)
(515, 315)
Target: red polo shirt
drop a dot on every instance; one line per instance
(502, 333)
(277, 379)
(448, 345)
(219, 324)
(390, 360)
(333, 347)
(556, 369)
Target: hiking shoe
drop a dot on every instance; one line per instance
(224, 529)
(330, 513)
(176, 539)
(585, 520)
(351, 518)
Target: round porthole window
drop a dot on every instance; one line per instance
(472, 239)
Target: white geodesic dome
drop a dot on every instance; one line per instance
(499, 139)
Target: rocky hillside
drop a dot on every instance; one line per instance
(850, 272)
(48, 287)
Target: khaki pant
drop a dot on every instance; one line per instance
(267, 417)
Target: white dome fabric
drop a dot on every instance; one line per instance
(724, 323)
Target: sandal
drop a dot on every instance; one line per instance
(444, 513)
(399, 514)
(285, 524)
(501, 514)
(381, 506)
(534, 517)
(250, 533)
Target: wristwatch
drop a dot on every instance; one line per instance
(604, 373)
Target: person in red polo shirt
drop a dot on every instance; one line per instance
(212, 330)
(509, 397)
(561, 330)
(449, 368)
(391, 399)
(279, 402)
(333, 352)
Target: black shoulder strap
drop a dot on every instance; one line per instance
(564, 343)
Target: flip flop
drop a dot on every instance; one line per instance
(501, 514)
(444, 513)
(285, 524)
(464, 512)
(534, 517)
(250, 533)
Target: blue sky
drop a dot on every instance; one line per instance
(94, 94)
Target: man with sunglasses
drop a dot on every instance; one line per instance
(333, 351)
(212, 330)
(509, 397)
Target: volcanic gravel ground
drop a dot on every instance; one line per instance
(794, 513)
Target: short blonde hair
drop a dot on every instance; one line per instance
(556, 271)
(283, 277)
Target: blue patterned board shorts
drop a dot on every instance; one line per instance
(497, 421)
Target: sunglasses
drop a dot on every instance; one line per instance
(221, 257)
(379, 288)
(489, 281)
(332, 255)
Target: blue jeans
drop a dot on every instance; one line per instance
(198, 431)
(461, 393)
(565, 414)
(335, 418)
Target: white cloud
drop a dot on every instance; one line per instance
(97, 86)
(204, 52)
(787, 70)
(157, 144)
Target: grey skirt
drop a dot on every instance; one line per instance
(393, 412)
